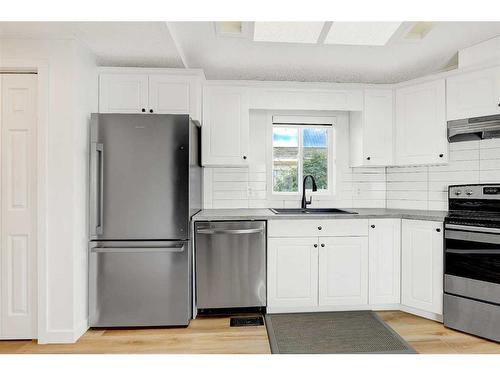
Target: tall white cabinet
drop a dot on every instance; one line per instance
(422, 267)
(420, 129)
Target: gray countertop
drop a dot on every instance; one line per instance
(362, 213)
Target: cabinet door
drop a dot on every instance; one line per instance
(292, 272)
(385, 256)
(421, 136)
(225, 126)
(378, 128)
(422, 265)
(473, 94)
(343, 271)
(174, 94)
(123, 93)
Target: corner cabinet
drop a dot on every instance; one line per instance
(422, 267)
(420, 128)
(148, 92)
(225, 129)
(371, 131)
(473, 94)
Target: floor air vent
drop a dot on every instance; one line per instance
(247, 321)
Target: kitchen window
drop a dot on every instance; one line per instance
(301, 146)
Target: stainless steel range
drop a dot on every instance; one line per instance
(472, 260)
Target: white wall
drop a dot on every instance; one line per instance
(426, 187)
(71, 74)
(247, 187)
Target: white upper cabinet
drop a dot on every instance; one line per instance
(225, 132)
(150, 93)
(371, 130)
(343, 271)
(473, 94)
(422, 265)
(123, 93)
(384, 241)
(420, 131)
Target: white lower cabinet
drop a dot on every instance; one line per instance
(343, 271)
(384, 264)
(422, 266)
(384, 242)
(292, 272)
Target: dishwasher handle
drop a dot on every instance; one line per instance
(229, 231)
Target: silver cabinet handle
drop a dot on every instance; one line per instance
(152, 249)
(229, 231)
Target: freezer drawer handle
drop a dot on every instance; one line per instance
(229, 231)
(175, 248)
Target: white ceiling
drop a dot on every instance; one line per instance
(197, 45)
(147, 44)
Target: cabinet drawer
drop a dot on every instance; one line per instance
(317, 227)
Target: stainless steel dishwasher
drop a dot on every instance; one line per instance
(230, 265)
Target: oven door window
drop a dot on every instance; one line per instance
(473, 255)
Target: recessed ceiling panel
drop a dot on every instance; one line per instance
(288, 32)
(361, 33)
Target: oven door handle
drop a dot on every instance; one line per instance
(471, 228)
(474, 252)
(472, 236)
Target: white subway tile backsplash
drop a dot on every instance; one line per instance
(464, 155)
(470, 163)
(407, 185)
(490, 153)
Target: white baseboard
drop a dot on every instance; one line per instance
(381, 307)
(423, 314)
(64, 336)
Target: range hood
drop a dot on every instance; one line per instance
(474, 128)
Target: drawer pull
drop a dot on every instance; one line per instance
(319, 228)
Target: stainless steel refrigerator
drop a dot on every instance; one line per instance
(145, 184)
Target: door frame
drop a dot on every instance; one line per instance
(41, 67)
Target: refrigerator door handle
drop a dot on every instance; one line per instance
(170, 249)
(97, 188)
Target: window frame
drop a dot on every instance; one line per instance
(301, 122)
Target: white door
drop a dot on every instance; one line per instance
(378, 127)
(343, 271)
(384, 246)
(123, 93)
(473, 94)
(422, 265)
(18, 109)
(292, 272)
(421, 133)
(168, 94)
(225, 126)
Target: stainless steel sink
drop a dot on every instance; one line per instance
(294, 211)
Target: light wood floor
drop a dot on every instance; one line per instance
(213, 335)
